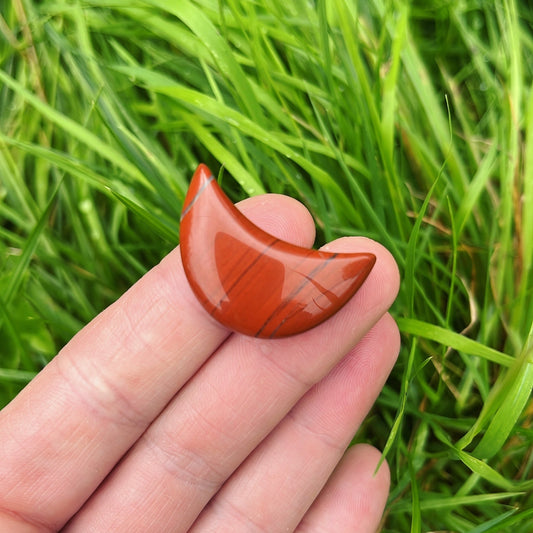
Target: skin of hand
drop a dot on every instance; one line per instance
(156, 418)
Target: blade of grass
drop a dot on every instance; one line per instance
(441, 503)
(412, 256)
(159, 227)
(203, 28)
(18, 376)
(516, 391)
(416, 523)
(79, 132)
(16, 277)
(487, 472)
(453, 340)
(504, 521)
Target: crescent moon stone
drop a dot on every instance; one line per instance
(252, 282)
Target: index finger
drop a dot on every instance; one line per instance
(93, 401)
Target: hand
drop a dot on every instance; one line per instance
(154, 418)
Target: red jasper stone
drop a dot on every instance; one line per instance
(252, 282)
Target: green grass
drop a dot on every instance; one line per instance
(408, 122)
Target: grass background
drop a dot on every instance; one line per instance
(408, 122)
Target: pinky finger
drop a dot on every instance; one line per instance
(354, 497)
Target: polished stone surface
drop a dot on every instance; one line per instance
(252, 282)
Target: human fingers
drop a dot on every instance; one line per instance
(279, 481)
(353, 498)
(66, 430)
(227, 408)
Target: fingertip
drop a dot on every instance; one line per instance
(363, 482)
(389, 335)
(354, 497)
(281, 216)
(383, 281)
(368, 462)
